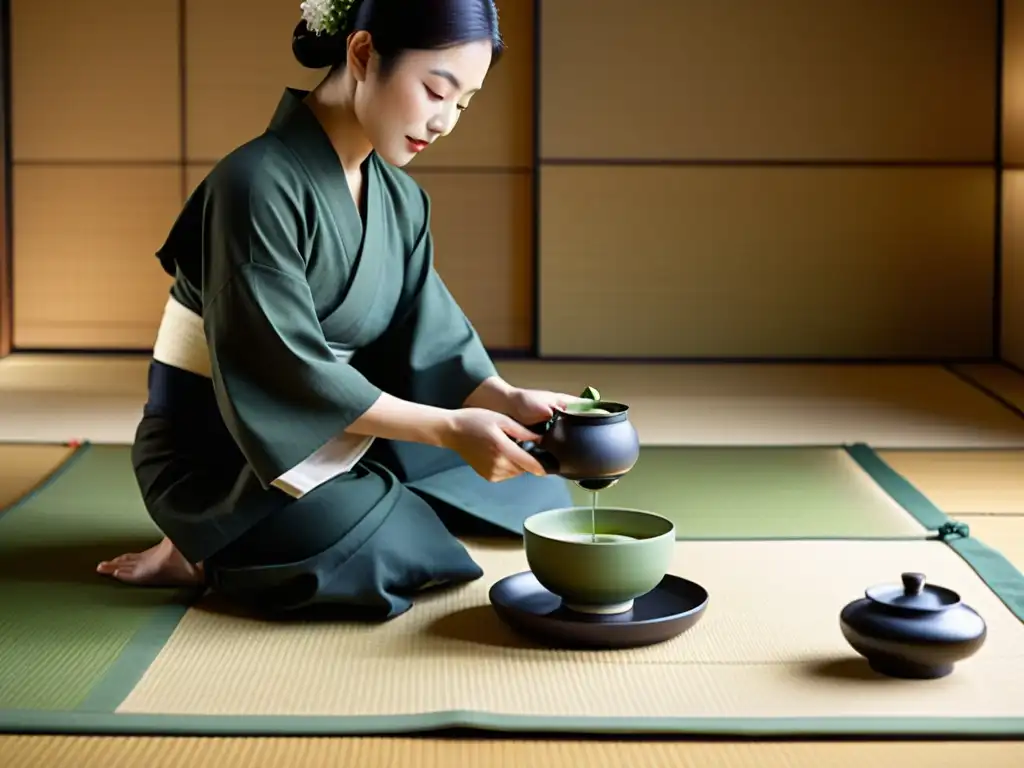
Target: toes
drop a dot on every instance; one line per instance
(130, 574)
(159, 565)
(121, 561)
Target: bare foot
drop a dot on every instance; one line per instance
(159, 566)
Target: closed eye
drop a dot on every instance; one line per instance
(435, 96)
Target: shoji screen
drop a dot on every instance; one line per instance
(96, 119)
(750, 178)
(1013, 184)
(6, 315)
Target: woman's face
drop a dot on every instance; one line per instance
(420, 99)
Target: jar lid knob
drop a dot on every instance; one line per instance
(913, 584)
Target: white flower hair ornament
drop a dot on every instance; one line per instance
(327, 16)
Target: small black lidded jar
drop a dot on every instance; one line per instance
(912, 630)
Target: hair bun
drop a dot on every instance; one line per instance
(317, 51)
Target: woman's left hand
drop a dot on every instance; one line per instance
(534, 406)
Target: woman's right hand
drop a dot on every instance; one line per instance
(486, 440)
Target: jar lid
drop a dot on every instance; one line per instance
(914, 594)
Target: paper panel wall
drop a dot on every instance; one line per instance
(1012, 282)
(766, 262)
(786, 179)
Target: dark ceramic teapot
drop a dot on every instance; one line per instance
(592, 442)
(914, 630)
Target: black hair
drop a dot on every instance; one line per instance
(397, 26)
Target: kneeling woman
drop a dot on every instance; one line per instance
(322, 417)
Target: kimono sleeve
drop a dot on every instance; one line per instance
(431, 353)
(283, 394)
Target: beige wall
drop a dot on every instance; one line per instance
(784, 225)
(717, 179)
(1013, 185)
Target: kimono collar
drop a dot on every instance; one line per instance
(298, 128)
(295, 124)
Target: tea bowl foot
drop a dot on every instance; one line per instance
(908, 670)
(600, 610)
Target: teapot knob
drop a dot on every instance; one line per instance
(913, 583)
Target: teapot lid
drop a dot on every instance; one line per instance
(914, 594)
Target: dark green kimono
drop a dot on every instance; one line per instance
(308, 316)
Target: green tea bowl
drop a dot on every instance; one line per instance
(631, 555)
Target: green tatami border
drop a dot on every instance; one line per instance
(144, 645)
(79, 449)
(998, 573)
(135, 659)
(1001, 576)
(93, 723)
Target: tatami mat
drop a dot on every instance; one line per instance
(769, 647)
(757, 492)
(956, 482)
(24, 467)
(1002, 380)
(57, 398)
(92, 510)
(68, 752)
(62, 627)
(885, 406)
